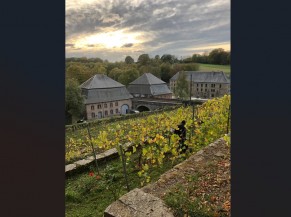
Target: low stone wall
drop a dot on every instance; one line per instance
(80, 165)
(147, 201)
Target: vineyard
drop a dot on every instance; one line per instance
(152, 137)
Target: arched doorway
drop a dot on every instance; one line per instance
(143, 108)
(124, 109)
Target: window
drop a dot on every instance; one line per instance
(201, 89)
(205, 85)
(212, 95)
(116, 111)
(93, 115)
(212, 90)
(111, 104)
(116, 103)
(197, 85)
(212, 85)
(111, 112)
(98, 106)
(92, 107)
(205, 90)
(201, 85)
(106, 113)
(105, 105)
(220, 86)
(197, 89)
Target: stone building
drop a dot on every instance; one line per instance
(105, 97)
(149, 86)
(204, 84)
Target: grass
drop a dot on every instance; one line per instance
(86, 196)
(209, 67)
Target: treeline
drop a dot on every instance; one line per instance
(126, 71)
(217, 56)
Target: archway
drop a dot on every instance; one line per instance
(124, 109)
(142, 108)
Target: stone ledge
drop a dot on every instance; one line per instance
(137, 203)
(83, 163)
(70, 167)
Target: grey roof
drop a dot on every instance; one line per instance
(148, 84)
(100, 81)
(147, 78)
(101, 88)
(156, 89)
(204, 77)
(106, 95)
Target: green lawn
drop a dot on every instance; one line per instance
(85, 196)
(209, 67)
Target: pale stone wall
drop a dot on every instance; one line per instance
(205, 90)
(104, 109)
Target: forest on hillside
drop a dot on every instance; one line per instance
(164, 67)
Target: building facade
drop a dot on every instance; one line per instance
(149, 86)
(105, 97)
(205, 85)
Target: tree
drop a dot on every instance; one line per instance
(128, 76)
(97, 68)
(74, 101)
(143, 59)
(168, 58)
(218, 56)
(165, 72)
(182, 86)
(129, 60)
(115, 73)
(78, 71)
(187, 60)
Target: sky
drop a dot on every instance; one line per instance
(114, 29)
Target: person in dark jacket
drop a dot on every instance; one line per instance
(181, 132)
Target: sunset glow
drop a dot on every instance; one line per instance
(115, 39)
(115, 29)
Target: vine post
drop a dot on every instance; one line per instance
(228, 118)
(124, 166)
(193, 111)
(94, 153)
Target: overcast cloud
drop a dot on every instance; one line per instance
(114, 29)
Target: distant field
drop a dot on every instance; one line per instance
(210, 67)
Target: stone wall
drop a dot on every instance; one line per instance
(105, 106)
(147, 201)
(85, 163)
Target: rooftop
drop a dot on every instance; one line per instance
(147, 78)
(100, 81)
(202, 76)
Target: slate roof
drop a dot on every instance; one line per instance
(101, 88)
(100, 81)
(148, 84)
(147, 78)
(204, 77)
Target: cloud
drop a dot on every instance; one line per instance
(70, 45)
(128, 45)
(156, 26)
